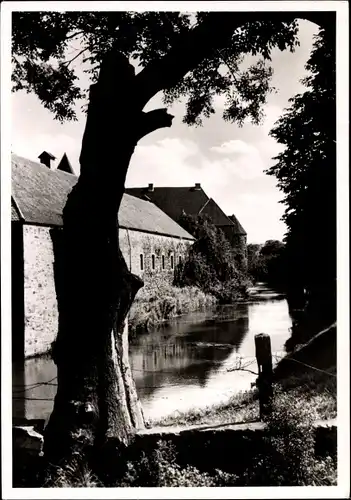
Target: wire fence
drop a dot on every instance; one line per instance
(18, 394)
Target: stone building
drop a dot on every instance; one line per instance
(152, 244)
(194, 201)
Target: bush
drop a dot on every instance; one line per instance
(290, 439)
(212, 264)
(160, 468)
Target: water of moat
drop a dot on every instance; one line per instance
(182, 365)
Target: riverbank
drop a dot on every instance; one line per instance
(155, 305)
(284, 452)
(315, 392)
(306, 382)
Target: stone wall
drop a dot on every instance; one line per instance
(160, 255)
(40, 304)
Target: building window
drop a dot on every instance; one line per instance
(153, 262)
(179, 259)
(141, 262)
(163, 261)
(172, 262)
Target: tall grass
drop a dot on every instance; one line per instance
(156, 304)
(315, 392)
(290, 459)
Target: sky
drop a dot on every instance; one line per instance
(227, 161)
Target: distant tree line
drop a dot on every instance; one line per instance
(267, 263)
(306, 174)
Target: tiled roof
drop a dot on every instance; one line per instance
(15, 216)
(218, 217)
(41, 193)
(175, 200)
(238, 226)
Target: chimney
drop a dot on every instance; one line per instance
(46, 158)
(197, 186)
(150, 188)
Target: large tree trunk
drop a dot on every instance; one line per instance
(96, 403)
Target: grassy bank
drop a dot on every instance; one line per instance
(155, 305)
(316, 392)
(287, 459)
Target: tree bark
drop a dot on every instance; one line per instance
(96, 402)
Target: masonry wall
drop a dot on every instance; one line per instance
(40, 304)
(40, 289)
(160, 255)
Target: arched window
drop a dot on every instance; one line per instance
(172, 262)
(163, 261)
(141, 262)
(153, 262)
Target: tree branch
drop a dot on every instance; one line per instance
(67, 63)
(225, 61)
(77, 33)
(192, 47)
(242, 367)
(153, 120)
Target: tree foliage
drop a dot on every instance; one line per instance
(267, 262)
(210, 264)
(306, 172)
(45, 46)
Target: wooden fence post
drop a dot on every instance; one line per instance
(265, 372)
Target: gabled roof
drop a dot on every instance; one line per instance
(65, 165)
(191, 200)
(238, 226)
(40, 195)
(39, 192)
(173, 200)
(218, 217)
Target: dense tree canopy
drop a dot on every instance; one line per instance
(268, 263)
(201, 55)
(306, 171)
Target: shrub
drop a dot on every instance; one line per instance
(212, 263)
(77, 474)
(290, 458)
(160, 468)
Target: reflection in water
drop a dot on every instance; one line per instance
(187, 350)
(34, 388)
(179, 366)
